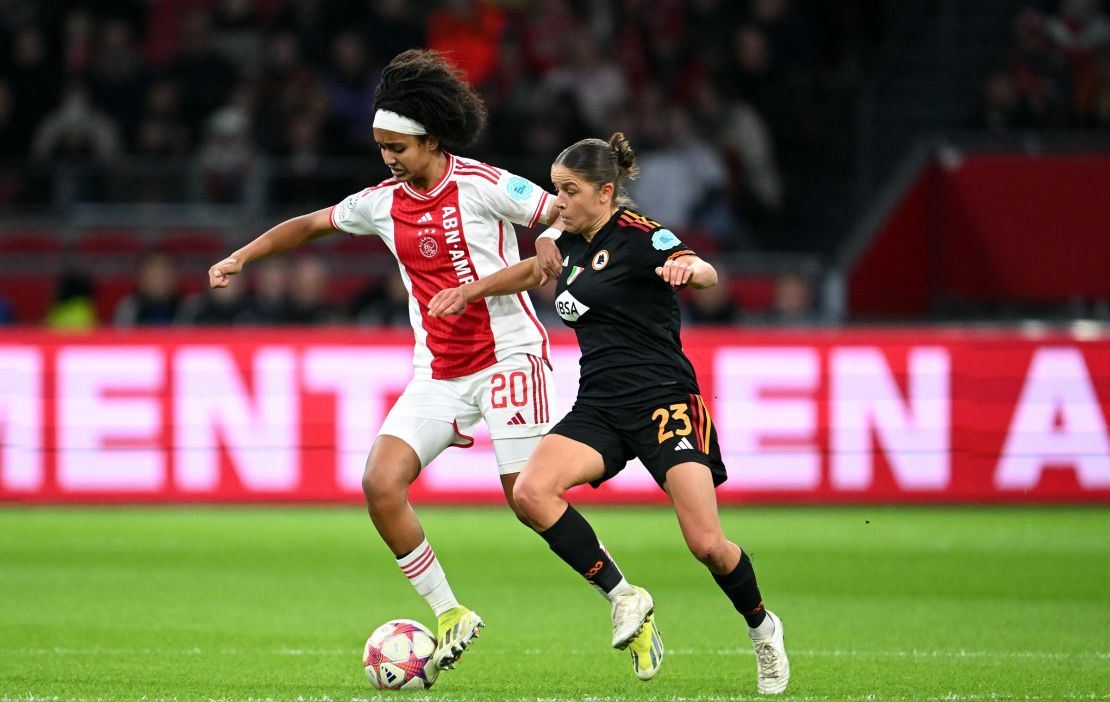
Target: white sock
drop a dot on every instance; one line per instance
(764, 630)
(422, 569)
(622, 588)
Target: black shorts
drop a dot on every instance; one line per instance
(662, 435)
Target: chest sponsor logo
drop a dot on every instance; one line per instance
(569, 307)
(601, 259)
(456, 246)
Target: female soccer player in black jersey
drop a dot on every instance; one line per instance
(638, 397)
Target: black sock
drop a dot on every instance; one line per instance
(741, 589)
(573, 539)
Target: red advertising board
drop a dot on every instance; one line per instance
(805, 417)
(990, 228)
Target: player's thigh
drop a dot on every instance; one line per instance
(690, 488)
(560, 463)
(593, 436)
(427, 417)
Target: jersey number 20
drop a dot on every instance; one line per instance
(512, 388)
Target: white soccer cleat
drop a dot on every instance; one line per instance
(770, 655)
(630, 611)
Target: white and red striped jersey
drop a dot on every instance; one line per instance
(456, 232)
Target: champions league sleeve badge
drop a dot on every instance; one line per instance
(519, 189)
(664, 239)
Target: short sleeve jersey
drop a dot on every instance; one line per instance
(456, 232)
(626, 317)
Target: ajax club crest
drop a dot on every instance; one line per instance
(428, 245)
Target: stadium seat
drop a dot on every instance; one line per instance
(109, 291)
(29, 295)
(31, 243)
(194, 244)
(342, 289)
(753, 293)
(108, 251)
(94, 243)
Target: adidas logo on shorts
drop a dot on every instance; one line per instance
(518, 418)
(684, 444)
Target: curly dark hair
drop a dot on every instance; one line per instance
(422, 85)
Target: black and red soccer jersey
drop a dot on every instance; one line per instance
(626, 317)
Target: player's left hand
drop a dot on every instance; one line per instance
(446, 303)
(676, 272)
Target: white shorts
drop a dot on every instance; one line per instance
(514, 396)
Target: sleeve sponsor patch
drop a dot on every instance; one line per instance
(342, 212)
(519, 189)
(664, 239)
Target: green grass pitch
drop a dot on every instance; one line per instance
(256, 604)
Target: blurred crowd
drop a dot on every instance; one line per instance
(723, 99)
(1057, 74)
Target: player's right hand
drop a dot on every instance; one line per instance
(447, 302)
(219, 275)
(547, 254)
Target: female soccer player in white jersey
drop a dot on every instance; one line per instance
(448, 221)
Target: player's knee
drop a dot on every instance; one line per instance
(523, 497)
(708, 548)
(528, 496)
(521, 517)
(511, 500)
(379, 490)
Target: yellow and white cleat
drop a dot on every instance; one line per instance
(647, 650)
(630, 610)
(458, 627)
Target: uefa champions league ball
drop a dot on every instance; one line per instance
(398, 656)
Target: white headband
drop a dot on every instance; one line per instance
(384, 119)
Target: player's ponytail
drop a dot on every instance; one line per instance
(599, 162)
(624, 156)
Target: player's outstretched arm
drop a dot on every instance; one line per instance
(516, 278)
(688, 270)
(285, 236)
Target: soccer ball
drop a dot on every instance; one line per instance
(398, 656)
